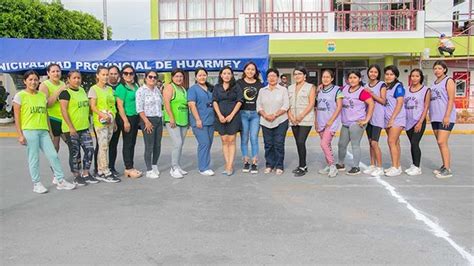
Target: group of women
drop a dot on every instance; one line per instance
(119, 105)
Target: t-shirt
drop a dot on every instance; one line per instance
(250, 93)
(399, 92)
(364, 95)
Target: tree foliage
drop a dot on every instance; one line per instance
(35, 19)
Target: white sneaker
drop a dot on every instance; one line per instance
(182, 171)
(154, 168)
(369, 170)
(412, 167)
(377, 172)
(39, 188)
(152, 174)
(64, 185)
(207, 173)
(394, 172)
(333, 171)
(324, 171)
(175, 173)
(55, 181)
(414, 171)
(388, 169)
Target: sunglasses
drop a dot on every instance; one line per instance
(128, 73)
(152, 77)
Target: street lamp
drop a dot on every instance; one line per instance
(104, 11)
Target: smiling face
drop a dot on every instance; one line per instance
(31, 82)
(415, 78)
(250, 71)
(226, 75)
(128, 75)
(373, 73)
(102, 76)
(299, 76)
(354, 80)
(151, 79)
(74, 80)
(54, 73)
(178, 78)
(326, 78)
(201, 77)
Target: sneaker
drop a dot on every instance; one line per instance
(394, 171)
(324, 171)
(332, 171)
(175, 173)
(246, 168)
(207, 173)
(182, 171)
(391, 168)
(437, 171)
(445, 173)
(412, 166)
(108, 178)
(39, 188)
(154, 168)
(254, 169)
(55, 181)
(354, 171)
(115, 172)
(340, 167)
(90, 179)
(414, 171)
(378, 172)
(64, 185)
(80, 181)
(369, 170)
(152, 174)
(279, 171)
(267, 170)
(301, 171)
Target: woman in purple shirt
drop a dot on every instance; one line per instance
(417, 101)
(442, 114)
(378, 91)
(395, 117)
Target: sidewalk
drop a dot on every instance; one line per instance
(8, 131)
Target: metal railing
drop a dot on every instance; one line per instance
(286, 22)
(375, 20)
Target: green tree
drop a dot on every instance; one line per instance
(36, 19)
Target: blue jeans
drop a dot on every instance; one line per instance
(250, 128)
(274, 142)
(37, 140)
(204, 137)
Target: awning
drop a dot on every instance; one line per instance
(19, 55)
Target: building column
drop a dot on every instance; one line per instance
(389, 60)
(155, 18)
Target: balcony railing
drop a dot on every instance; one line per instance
(375, 20)
(286, 22)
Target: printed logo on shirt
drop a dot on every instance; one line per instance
(435, 95)
(37, 110)
(349, 103)
(411, 103)
(250, 93)
(83, 104)
(324, 105)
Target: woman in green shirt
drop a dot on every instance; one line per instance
(75, 111)
(32, 127)
(126, 103)
(175, 115)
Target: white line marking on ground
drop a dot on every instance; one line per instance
(435, 228)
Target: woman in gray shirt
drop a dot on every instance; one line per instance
(272, 105)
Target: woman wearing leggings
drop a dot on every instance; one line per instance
(328, 118)
(443, 115)
(301, 114)
(378, 91)
(417, 102)
(395, 117)
(357, 110)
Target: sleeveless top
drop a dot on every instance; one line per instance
(378, 117)
(400, 120)
(353, 109)
(299, 101)
(414, 106)
(78, 110)
(179, 107)
(439, 102)
(33, 111)
(105, 102)
(54, 110)
(326, 106)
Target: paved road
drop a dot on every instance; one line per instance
(243, 219)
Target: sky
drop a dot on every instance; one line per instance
(129, 19)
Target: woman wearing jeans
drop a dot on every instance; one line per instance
(202, 119)
(301, 114)
(149, 106)
(125, 95)
(250, 85)
(32, 127)
(176, 119)
(357, 109)
(272, 105)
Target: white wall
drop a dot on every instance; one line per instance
(437, 11)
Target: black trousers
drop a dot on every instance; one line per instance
(301, 135)
(415, 138)
(129, 141)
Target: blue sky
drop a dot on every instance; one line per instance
(129, 19)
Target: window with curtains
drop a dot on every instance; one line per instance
(207, 18)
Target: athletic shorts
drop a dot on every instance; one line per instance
(373, 132)
(439, 126)
(55, 127)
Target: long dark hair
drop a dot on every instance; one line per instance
(135, 78)
(422, 78)
(29, 73)
(442, 64)
(232, 80)
(396, 72)
(209, 85)
(257, 72)
(379, 70)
